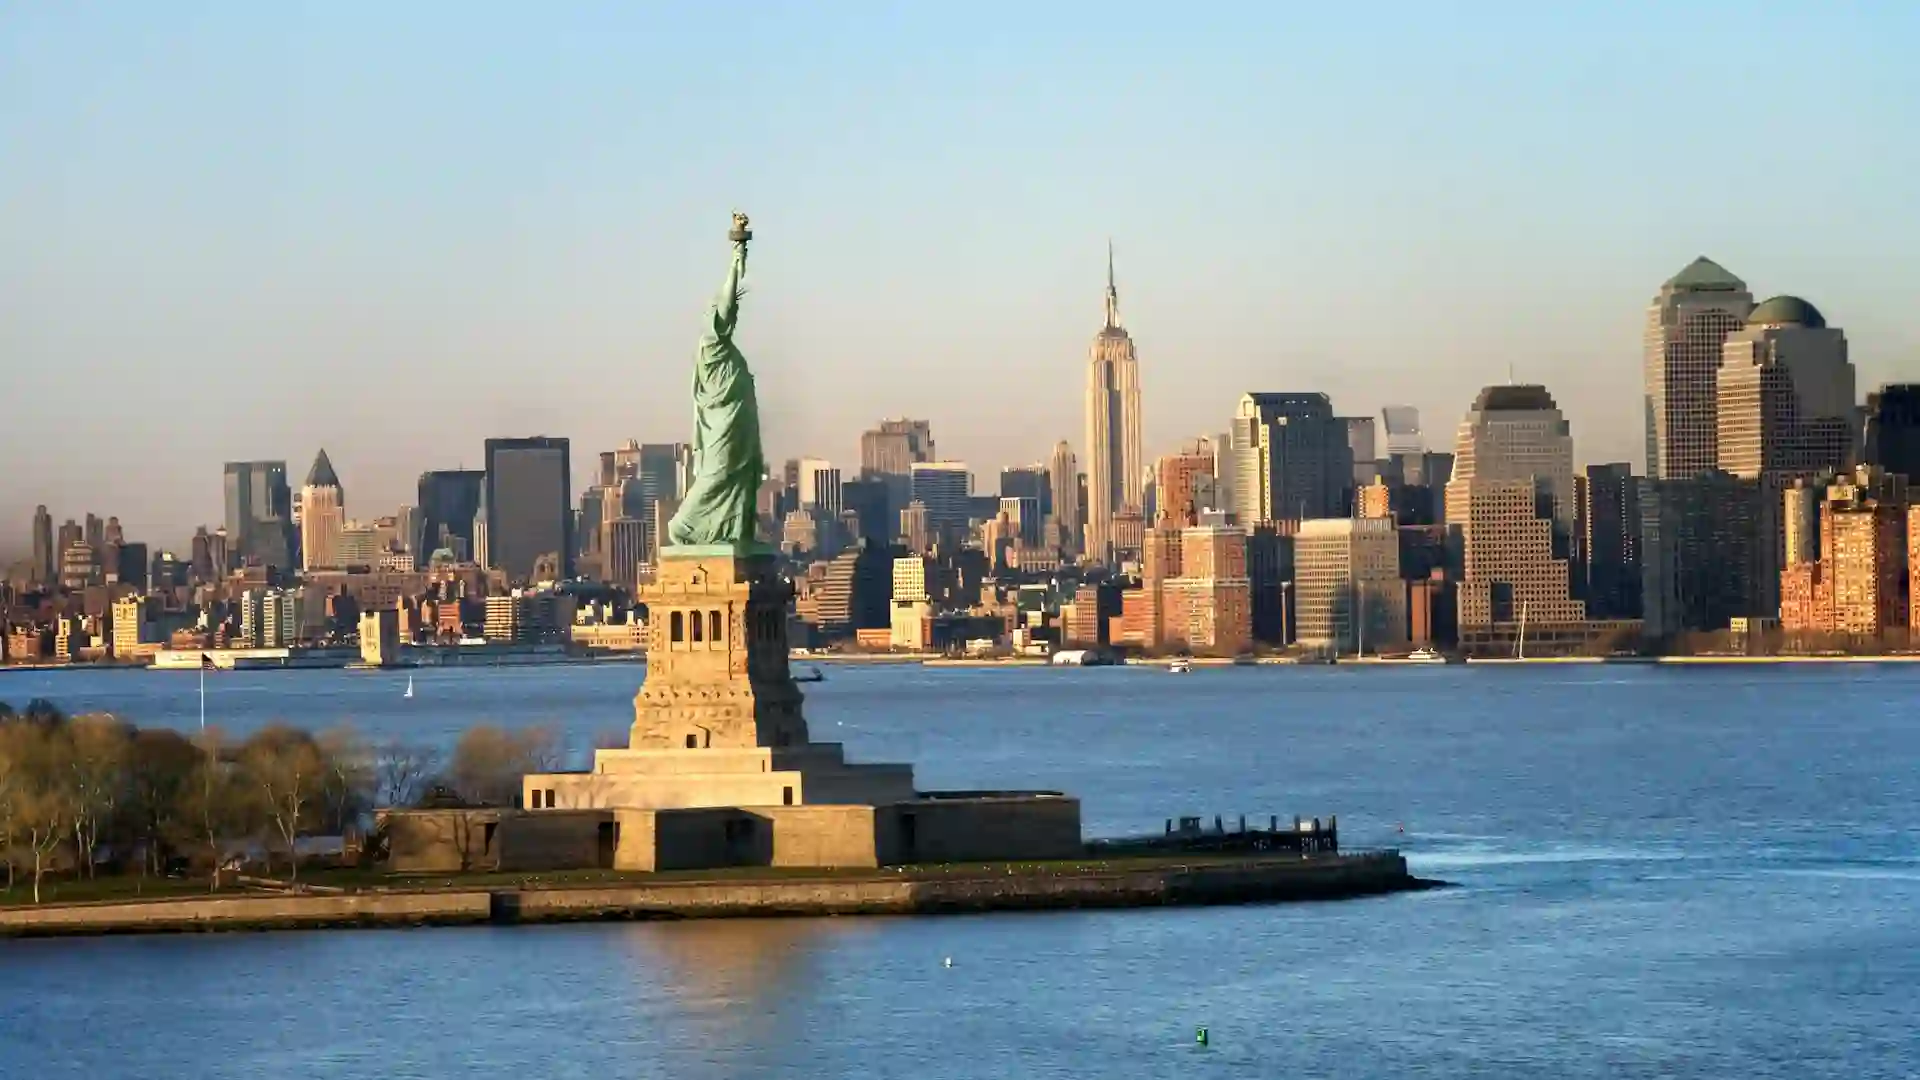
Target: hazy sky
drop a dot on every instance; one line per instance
(249, 230)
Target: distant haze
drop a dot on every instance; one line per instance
(237, 231)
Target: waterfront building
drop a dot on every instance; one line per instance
(1510, 513)
(1347, 589)
(1063, 476)
(1205, 604)
(1698, 540)
(911, 609)
(529, 617)
(1292, 460)
(1892, 435)
(1115, 462)
(529, 505)
(1846, 562)
(1687, 327)
(322, 517)
(1608, 540)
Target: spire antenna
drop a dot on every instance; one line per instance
(1113, 293)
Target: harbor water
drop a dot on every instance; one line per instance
(1661, 872)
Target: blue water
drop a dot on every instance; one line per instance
(1662, 873)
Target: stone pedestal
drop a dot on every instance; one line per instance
(717, 673)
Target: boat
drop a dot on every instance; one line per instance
(409, 692)
(1180, 666)
(1425, 655)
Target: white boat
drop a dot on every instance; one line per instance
(1425, 655)
(1180, 666)
(409, 692)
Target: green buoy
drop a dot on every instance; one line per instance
(1200, 1036)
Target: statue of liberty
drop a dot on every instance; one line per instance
(719, 507)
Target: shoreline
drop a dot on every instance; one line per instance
(981, 888)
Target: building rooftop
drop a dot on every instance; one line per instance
(322, 474)
(1787, 311)
(1705, 274)
(1510, 398)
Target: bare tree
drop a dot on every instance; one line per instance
(287, 774)
(12, 775)
(43, 800)
(100, 746)
(349, 782)
(400, 770)
(539, 749)
(214, 804)
(161, 766)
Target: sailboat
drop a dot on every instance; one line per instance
(409, 692)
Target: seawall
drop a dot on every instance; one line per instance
(1263, 879)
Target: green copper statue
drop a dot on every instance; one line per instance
(727, 464)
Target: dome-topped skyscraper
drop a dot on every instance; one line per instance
(1115, 465)
(1686, 325)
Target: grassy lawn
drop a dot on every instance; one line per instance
(357, 880)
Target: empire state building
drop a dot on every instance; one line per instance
(1114, 465)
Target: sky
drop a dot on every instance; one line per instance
(239, 230)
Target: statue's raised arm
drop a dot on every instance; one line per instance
(727, 459)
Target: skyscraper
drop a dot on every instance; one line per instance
(1510, 512)
(888, 454)
(945, 489)
(1183, 486)
(658, 475)
(1609, 540)
(820, 488)
(1063, 474)
(322, 516)
(1115, 463)
(1785, 394)
(529, 504)
(1292, 460)
(1347, 585)
(1786, 411)
(1893, 429)
(1687, 328)
(1402, 425)
(448, 501)
(1362, 443)
(1028, 482)
(46, 568)
(259, 508)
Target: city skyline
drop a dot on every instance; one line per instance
(257, 227)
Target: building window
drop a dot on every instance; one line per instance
(550, 802)
(536, 800)
(786, 796)
(713, 626)
(693, 742)
(679, 627)
(697, 624)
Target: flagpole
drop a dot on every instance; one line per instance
(203, 695)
